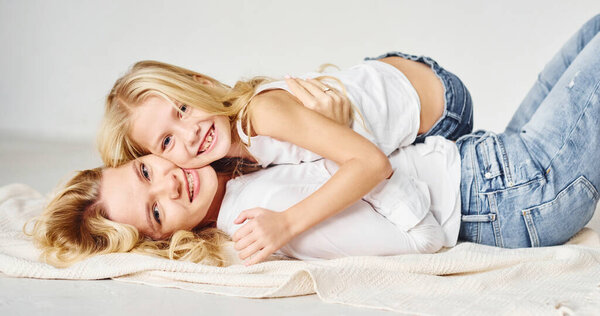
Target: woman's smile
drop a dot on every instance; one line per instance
(193, 183)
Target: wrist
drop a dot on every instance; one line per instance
(294, 224)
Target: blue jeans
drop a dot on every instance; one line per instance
(457, 119)
(536, 184)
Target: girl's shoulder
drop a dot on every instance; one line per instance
(269, 105)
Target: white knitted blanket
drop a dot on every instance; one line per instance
(469, 279)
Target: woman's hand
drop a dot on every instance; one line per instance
(263, 234)
(321, 98)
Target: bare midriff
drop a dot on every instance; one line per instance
(428, 86)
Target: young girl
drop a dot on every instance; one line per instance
(193, 120)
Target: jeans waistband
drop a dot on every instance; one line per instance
(457, 119)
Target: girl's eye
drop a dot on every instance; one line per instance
(166, 141)
(144, 171)
(155, 213)
(182, 109)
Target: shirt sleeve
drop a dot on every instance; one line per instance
(360, 231)
(402, 199)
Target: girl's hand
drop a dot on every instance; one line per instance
(321, 98)
(263, 234)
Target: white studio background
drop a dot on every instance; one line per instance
(60, 58)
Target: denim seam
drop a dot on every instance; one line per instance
(477, 194)
(492, 204)
(454, 116)
(583, 111)
(437, 126)
(590, 187)
(579, 179)
(464, 88)
(452, 89)
(485, 155)
(488, 163)
(516, 187)
(448, 90)
(444, 85)
(505, 165)
(478, 218)
(533, 235)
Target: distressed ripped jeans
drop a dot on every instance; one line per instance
(536, 184)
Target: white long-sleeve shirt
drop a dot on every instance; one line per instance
(417, 210)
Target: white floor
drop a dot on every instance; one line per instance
(41, 164)
(108, 297)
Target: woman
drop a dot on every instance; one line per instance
(117, 212)
(191, 198)
(537, 183)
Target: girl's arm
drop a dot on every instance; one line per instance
(361, 167)
(331, 104)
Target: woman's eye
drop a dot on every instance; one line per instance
(144, 171)
(166, 141)
(182, 109)
(155, 213)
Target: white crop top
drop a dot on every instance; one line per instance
(386, 99)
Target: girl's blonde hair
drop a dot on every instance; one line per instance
(174, 84)
(74, 226)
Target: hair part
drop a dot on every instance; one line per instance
(74, 226)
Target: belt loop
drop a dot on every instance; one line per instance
(505, 167)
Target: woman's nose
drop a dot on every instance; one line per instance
(171, 185)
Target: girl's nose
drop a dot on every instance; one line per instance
(192, 133)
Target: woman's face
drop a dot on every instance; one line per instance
(191, 140)
(156, 196)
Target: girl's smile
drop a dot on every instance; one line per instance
(191, 139)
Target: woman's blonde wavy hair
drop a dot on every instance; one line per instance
(176, 85)
(74, 226)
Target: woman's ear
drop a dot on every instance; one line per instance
(203, 81)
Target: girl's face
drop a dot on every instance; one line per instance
(190, 140)
(156, 196)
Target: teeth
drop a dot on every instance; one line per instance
(190, 181)
(208, 141)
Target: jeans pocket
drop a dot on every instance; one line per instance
(555, 222)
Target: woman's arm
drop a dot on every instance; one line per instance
(362, 166)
